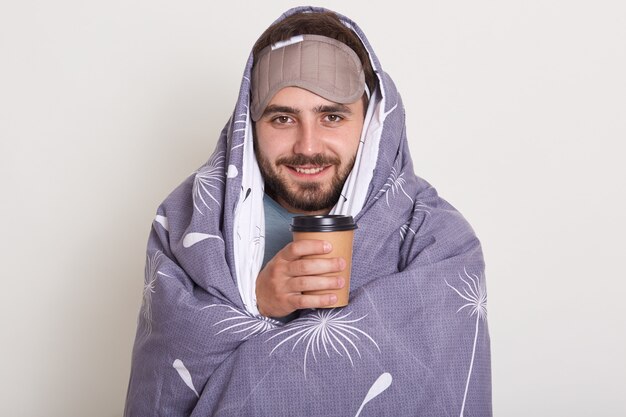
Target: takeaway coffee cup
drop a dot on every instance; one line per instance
(339, 231)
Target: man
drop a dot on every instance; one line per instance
(305, 143)
(225, 328)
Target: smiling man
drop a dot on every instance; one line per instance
(309, 97)
(306, 146)
(225, 326)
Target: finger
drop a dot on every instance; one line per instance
(314, 283)
(301, 301)
(304, 247)
(315, 266)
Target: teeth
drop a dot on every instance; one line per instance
(309, 170)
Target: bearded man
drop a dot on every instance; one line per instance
(227, 325)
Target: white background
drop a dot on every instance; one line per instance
(516, 112)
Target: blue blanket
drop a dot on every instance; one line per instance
(412, 342)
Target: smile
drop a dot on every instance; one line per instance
(314, 170)
(309, 170)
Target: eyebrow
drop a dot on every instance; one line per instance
(333, 108)
(324, 108)
(275, 108)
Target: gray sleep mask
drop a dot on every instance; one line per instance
(322, 65)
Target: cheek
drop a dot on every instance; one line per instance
(350, 144)
(274, 144)
(270, 149)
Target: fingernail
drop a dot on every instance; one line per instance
(327, 247)
(333, 299)
(340, 282)
(342, 263)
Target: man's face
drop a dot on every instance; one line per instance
(306, 147)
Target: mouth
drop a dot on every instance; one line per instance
(308, 171)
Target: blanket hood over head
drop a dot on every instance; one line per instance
(412, 341)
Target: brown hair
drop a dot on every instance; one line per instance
(319, 23)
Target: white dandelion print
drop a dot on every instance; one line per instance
(327, 331)
(404, 229)
(208, 182)
(395, 184)
(232, 171)
(378, 387)
(387, 113)
(418, 207)
(151, 274)
(474, 292)
(185, 375)
(242, 322)
(421, 207)
(162, 220)
(242, 121)
(192, 238)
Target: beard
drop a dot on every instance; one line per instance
(304, 196)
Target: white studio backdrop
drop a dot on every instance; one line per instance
(515, 112)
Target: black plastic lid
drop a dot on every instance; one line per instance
(327, 223)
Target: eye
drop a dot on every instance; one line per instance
(334, 118)
(282, 120)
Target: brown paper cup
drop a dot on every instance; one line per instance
(341, 241)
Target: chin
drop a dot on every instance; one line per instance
(309, 200)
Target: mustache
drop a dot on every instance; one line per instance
(299, 159)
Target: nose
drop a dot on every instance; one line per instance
(309, 141)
